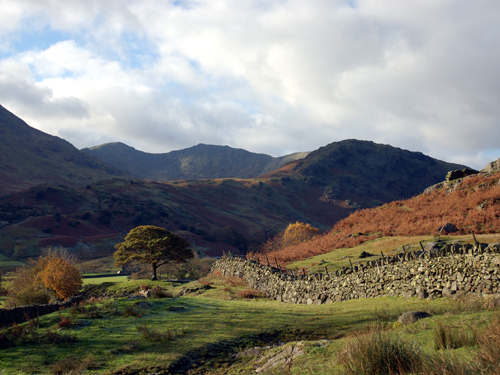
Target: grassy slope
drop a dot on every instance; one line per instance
(339, 258)
(114, 342)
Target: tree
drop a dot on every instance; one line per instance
(298, 232)
(152, 245)
(60, 275)
(53, 272)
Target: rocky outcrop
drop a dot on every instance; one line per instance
(492, 167)
(451, 269)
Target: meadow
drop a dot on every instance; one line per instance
(211, 323)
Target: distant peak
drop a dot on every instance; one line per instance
(114, 145)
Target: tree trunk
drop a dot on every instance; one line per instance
(155, 267)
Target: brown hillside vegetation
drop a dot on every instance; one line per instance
(472, 205)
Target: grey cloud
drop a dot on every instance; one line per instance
(281, 76)
(39, 101)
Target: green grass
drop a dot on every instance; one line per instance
(340, 257)
(114, 340)
(100, 280)
(388, 245)
(320, 358)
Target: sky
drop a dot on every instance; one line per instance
(271, 76)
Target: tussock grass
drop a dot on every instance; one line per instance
(449, 337)
(489, 346)
(380, 353)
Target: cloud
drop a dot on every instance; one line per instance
(275, 76)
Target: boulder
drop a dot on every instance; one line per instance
(459, 173)
(412, 316)
(448, 228)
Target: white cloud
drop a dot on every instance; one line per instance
(274, 76)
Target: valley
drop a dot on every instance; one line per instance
(395, 241)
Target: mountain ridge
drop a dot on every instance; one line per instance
(81, 203)
(200, 161)
(29, 157)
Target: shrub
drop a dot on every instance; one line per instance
(3, 291)
(65, 322)
(59, 338)
(26, 288)
(379, 353)
(447, 337)
(158, 292)
(72, 365)
(131, 311)
(250, 293)
(154, 335)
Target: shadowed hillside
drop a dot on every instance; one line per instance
(214, 215)
(470, 204)
(29, 157)
(367, 173)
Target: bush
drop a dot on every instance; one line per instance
(72, 365)
(32, 284)
(250, 293)
(154, 335)
(131, 311)
(379, 353)
(158, 292)
(3, 291)
(65, 323)
(59, 338)
(26, 288)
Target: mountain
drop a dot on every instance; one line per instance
(459, 205)
(29, 157)
(366, 173)
(215, 215)
(197, 162)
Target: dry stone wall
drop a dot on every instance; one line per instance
(450, 269)
(23, 313)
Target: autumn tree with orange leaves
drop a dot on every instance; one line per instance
(40, 280)
(60, 275)
(293, 234)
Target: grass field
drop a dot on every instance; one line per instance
(209, 321)
(120, 333)
(388, 245)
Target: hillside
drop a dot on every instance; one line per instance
(215, 215)
(198, 162)
(469, 204)
(29, 157)
(367, 173)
